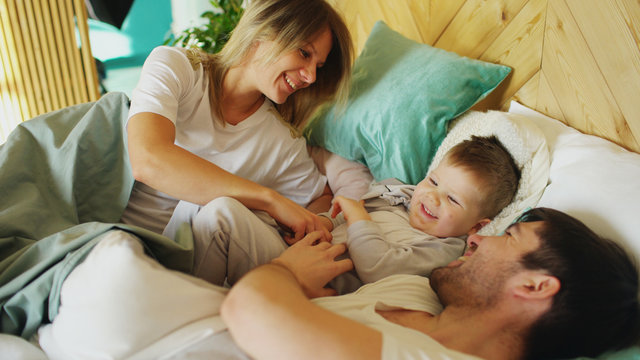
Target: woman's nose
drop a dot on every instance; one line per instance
(308, 74)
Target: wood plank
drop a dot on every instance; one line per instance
(48, 17)
(73, 54)
(520, 47)
(477, 25)
(32, 26)
(8, 107)
(398, 16)
(547, 102)
(420, 20)
(45, 54)
(528, 94)
(35, 86)
(617, 54)
(12, 65)
(90, 72)
(574, 76)
(436, 18)
(59, 41)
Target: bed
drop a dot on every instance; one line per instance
(561, 86)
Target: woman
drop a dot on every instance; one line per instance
(203, 126)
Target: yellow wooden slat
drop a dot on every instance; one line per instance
(528, 94)
(72, 54)
(547, 102)
(477, 25)
(21, 26)
(8, 107)
(89, 64)
(576, 80)
(13, 71)
(615, 51)
(398, 15)
(51, 92)
(38, 57)
(520, 47)
(52, 54)
(402, 16)
(441, 13)
(60, 52)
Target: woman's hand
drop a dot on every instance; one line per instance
(353, 210)
(297, 219)
(313, 264)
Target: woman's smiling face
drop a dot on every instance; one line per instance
(292, 70)
(447, 202)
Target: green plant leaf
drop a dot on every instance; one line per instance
(211, 36)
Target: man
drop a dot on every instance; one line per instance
(548, 288)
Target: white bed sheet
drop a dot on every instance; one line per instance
(590, 178)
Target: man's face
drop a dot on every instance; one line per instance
(477, 279)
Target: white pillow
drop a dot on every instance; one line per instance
(119, 302)
(526, 144)
(16, 348)
(591, 179)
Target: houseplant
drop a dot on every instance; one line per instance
(214, 33)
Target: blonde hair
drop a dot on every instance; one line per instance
(290, 24)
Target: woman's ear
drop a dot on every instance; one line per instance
(482, 223)
(536, 285)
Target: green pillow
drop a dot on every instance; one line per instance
(403, 95)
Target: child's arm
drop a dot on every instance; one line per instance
(375, 257)
(398, 249)
(346, 206)
(352, 210)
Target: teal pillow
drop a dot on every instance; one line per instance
(403, 95)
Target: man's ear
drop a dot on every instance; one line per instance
(482, 223)
(536, 285)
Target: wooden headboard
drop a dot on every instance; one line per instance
(575, 60)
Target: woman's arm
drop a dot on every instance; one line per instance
(270, 316)
(159, 163)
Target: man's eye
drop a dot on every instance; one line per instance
(453, 200)
(433, 182)
(304, 53)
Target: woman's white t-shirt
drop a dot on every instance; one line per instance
(261, 148)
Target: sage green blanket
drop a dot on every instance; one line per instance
(65, 180)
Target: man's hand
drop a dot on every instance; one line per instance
(313, 264)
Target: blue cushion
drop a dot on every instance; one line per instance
(403, 95)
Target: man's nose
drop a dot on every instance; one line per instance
(474, 240)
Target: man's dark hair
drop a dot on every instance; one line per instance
(596, 308)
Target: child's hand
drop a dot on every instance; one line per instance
(353, 210)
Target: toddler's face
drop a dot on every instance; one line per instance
(447, 202)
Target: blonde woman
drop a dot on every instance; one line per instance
(203, 126)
